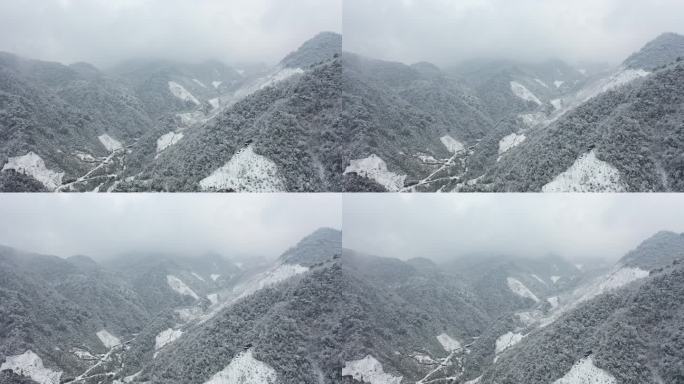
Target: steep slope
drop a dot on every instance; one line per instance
(280, 132)
(67, 313)
(610, 328)
(64, 124)
(406, 123)
(623, 140)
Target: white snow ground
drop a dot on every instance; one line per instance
(587, 174)
(271, 277)
(180, 92)
(534, 119)
(621, 77)
(451, 144)
(264, 82)
(510, 141)
(506, 341)
(110, 143)
(246, 171)
(369, 370)
(557, 104)
(558, 83)
(168, 140)
(214, 103)
(585, 372)
(522, 92)
(215, 276)
(555, 279)
(179, 286)
(553, 301)
(213, 298)
(197, 276)
(165, 337)
(33, 165)
(201, 84)
(245, 369)
(216, 84)
(29, 364)
(540, 82)
(520, 289)
(107, 339)
(448, 343)
(375, 168)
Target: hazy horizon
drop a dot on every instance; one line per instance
(448, 33)
(105, 33)
(441, 227)
(104, 226)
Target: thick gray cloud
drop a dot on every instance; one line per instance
(107, 31)
(448, 31)
(575, 226)
(106, 225)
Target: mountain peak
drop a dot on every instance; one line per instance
(324, 46)
(658, 250)
(660, 51)
(319, 246)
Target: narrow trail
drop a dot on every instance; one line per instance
(83, 377)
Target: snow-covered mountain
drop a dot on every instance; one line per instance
(138, 126)
(546, 127)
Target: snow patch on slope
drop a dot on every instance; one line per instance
(245, 172)
(448, 343)
(619, 78)
(180, 92)
(165, 337)
(520, 91)
(557, 104)
(555, 279)
(243, 369)
(201, 84)
(213, 298)
(33, 165)
(107, 339)
(266, 81)
(520, 289)
(369, 370)
(540, 82)
(216, 84)
(558, 83)
(616, 279)
(510, 141)
(553, 301)
(587, 174)
(266, 279)
(168, 140)
(585, 372)
(29, 364)
(451, 144)
(214, 276)
(110, 143)
(506, 341)
(198, 276)
(533, 119)
(375, 168)
(214, 103)
(179, 287)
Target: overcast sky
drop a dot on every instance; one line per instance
(106, 225)
(448, 31)
(442, 226)
(106, 31)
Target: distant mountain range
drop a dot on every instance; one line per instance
(323, 314)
